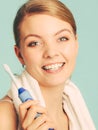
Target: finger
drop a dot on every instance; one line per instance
(35, 125)
(42, 123)
(31, 114)
(25, 106)
(47, 126)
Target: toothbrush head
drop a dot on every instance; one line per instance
(11, 75)
(6, 67)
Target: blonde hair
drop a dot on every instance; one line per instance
(50, 7)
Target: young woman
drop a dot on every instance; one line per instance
(47, 47)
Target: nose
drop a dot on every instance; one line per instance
(51, 51)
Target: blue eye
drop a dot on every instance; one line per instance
(33, 44)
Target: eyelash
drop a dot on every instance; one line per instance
(33, 44)
(61, 39)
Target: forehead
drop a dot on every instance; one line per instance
(43, 24)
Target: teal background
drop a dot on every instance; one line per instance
(85, 74)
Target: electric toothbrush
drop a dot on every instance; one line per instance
(23, 94)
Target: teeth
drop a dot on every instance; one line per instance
(53, 67)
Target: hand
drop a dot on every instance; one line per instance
(28, 111)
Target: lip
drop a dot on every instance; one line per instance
(53, 67)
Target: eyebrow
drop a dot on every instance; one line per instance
(35, 35)
(31, 35)
(63, 30)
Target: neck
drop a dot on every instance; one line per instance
(53, 100)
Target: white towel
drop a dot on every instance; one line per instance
(73, 103)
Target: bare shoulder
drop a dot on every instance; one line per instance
(8, 116)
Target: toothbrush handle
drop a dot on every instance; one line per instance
(24, 95)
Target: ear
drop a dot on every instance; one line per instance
(77, 44)
(18, 54)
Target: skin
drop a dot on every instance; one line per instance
(48, 49)
(8, 117)
(52, 47)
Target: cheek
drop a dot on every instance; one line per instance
(70, 55)
(31, 59)
(70, 51)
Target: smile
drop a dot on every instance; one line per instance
(53, 67)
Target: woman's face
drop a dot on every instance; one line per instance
(48, 49)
